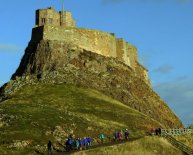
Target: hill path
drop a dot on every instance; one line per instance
(100, 145)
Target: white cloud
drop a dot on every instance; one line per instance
(164, 69)
(9, 48)
(155, 1)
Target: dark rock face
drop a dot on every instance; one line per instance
(60, 62)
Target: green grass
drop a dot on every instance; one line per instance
(186, 139)
(144, 146)
(36, 112)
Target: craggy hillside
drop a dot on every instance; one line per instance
(57, 62)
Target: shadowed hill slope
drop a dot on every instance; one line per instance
(60, 62)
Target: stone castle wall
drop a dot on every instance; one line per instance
(126, 53)
(122, 53)
(47, 16)
(132, 54)
(99, 42)
(60, 26)
(96, 41)
(67, 21)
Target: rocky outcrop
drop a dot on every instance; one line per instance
(60, 62)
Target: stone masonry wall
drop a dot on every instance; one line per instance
(37, 34)
(52, 17)
(132, 54)
(60, 26)
(66, 19)
(47, 16)
(99, 42)
(122, 51)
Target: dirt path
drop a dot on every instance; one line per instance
(100, 145)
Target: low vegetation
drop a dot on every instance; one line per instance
(143, 146)
(42, 112)
(186, 139)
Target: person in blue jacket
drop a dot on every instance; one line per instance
(80, 143)
(68, 144)
(85, 143)
(89, 141)
(115, 136)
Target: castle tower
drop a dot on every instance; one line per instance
(66, 19)
(50, 16)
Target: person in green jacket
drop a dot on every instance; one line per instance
(102, 136)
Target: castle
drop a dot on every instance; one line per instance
(60, 26)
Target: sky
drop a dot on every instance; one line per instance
(162, 31)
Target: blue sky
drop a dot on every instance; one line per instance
(162, 30)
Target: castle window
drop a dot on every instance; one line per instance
(43, 20)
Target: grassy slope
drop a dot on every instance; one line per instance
(186, 139)
(34, 113)
(144, 146)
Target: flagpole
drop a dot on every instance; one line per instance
(62, 21)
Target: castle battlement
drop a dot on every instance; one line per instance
(60, 26)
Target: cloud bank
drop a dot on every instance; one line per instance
(165, 69)
(178, 94)
(144, 1)
(8, 48)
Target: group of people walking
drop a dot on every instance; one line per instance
(78, 143)
(119, 136)
(86, 142)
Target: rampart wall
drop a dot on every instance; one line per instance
(99, 42)
(132, 54)
(122, 52)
